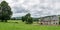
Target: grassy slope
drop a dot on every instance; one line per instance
(23, 26)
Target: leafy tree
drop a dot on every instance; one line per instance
(59, 20)
(28, 18)
(0, 12)
(29, 21)
(6, 11)
(23, 18)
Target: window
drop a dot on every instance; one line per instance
(41, 23)
(53, 23)
(56, 23)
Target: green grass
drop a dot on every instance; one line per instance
(22, 26)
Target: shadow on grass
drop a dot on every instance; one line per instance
(12, 22)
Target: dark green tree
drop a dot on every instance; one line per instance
(0, 11)
(6, 11)
(23, 18)
(59, 20)
(28, 18)
(29, 21)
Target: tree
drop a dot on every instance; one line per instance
(29, 21)
(28, 18)
(23, 18)
(0, 12)
(6, 11)
(59, 20)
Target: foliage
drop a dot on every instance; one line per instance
(27, 18)
(59, 23)
(29, 21)
(23, 18)
(59, 19)
(36, 19)
(5, 11)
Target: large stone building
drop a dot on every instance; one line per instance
(49, 20)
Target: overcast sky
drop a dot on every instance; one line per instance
(37, 8)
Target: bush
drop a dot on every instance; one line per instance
(59, 23)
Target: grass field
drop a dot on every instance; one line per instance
(22, 26)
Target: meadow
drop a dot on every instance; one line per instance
(11, 25)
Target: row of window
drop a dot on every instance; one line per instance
(53, 23)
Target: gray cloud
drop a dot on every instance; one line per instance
(20, 10)
(37, 8)
(0, 0)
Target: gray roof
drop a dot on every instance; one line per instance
(47, 18)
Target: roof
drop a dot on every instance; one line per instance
(47, 18)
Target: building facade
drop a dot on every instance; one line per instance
(49, 20)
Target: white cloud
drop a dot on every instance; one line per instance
(0, 0)
(19, 14)
(36, 7)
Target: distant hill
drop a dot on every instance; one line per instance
(16, 18)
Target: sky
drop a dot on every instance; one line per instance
(37, 8)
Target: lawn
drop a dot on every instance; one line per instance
(22, 26)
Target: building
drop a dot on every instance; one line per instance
(49, 20)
